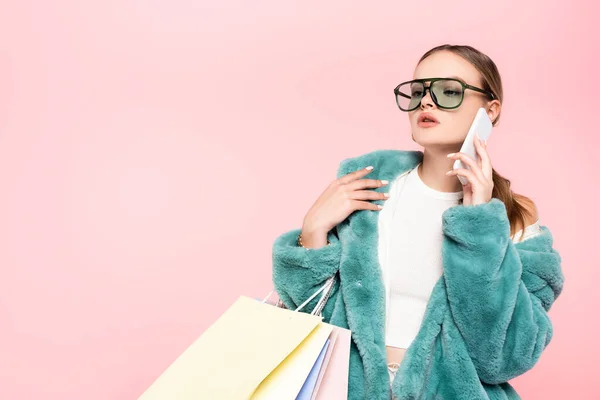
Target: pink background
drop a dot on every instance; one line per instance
(151, 151)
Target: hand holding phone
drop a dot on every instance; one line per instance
(481, 125)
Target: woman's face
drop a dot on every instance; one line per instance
(453, 125)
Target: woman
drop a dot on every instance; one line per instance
(445, 287)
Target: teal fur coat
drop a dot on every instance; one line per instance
(486, 321)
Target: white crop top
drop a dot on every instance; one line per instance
(411, 227)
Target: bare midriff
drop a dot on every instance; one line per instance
(394, 354)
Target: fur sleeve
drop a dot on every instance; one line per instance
(299, 272)
(499, 291)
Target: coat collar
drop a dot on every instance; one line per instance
(360, 275)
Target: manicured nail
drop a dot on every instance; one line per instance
(379, 206)
(386, 195)
(370, 167)
(384, 182)
(450, 155)
(449, 172)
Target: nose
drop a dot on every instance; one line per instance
(426, 100)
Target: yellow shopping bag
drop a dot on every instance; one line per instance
(253, 351)
(287, 379)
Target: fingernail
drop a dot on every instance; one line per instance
(384, 182)
(379, 206)
(449, 172)
(450, 155)
(386, 194)
(369, 167)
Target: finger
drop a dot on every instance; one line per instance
(471, 177)
(352, 176)
(477, 155)
(486, 163)
(367, 195)
(475, 168)
(467, 193)
(364, 205)
(366, 183)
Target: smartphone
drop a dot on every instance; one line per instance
(481, 125)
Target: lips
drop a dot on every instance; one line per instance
(427, 118)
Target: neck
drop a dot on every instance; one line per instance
(432, 170)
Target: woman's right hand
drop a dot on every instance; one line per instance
(341, 198)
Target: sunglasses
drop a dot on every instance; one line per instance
(446, 93)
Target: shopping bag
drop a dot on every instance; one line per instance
(254, 350)
(332, 383)
(286, 381)
(308, 388)
(326, 358)
(332, 380)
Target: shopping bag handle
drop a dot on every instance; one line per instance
(327, 288)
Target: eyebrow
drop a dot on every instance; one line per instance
(459, 78)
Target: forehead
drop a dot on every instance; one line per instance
(444, 64)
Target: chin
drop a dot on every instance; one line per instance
(427, 133)
(427, 137)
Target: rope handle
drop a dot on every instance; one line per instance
(327, 288)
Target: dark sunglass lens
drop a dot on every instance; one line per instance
(447, 93)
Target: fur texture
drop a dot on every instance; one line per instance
(486, 321)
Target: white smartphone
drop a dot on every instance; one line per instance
(481, 125)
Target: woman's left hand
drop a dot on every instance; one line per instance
(478, 189)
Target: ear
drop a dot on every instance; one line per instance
(493, 109)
